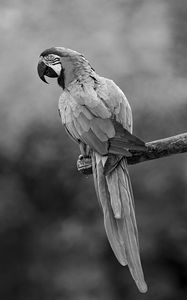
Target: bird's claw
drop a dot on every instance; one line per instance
(84, 164)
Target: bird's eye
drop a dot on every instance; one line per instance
(50, 57)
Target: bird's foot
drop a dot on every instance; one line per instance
(84, 164)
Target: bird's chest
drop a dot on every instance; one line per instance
(71, 104)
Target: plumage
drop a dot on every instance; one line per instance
(84, 122)
(104, 198)
(96, 113)
(91, 139)
(97, 130)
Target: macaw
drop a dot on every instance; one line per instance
(97, 115)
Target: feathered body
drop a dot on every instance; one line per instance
(97, 115)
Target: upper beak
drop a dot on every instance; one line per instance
(45, 70)
(42, 68)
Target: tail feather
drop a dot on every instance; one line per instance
(109, 221)
(116, 198)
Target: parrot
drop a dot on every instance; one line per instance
(97, 115)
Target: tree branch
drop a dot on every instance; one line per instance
(156, 149)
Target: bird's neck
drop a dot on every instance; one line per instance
(74, 69)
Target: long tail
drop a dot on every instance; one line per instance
(116, 198)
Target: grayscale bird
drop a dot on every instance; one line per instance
(97, 115)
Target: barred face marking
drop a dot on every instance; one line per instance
(52, 59)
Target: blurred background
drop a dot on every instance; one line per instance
(52, 239)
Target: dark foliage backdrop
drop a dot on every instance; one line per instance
(52, 240)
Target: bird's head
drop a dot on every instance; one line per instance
(61, 63)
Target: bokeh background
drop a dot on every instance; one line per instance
(52, 240)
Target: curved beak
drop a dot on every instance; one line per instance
(42, 68)
(45, 70)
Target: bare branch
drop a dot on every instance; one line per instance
(161, 148)
(156, 149)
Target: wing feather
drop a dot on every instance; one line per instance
(84, 122)
(72, 130)
(86, 113)
(106, 126)
(78, 126)
(101, 111)
(98, 131)
(94, 142)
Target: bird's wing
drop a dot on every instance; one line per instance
(94, 114)
(90, 115)
(86, 117)
(116, 102)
